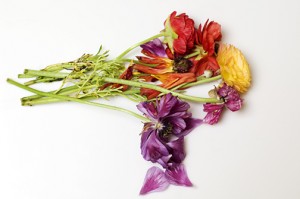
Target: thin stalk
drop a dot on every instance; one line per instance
(45, 73)
(65, 98)
(202, 81)
(160, 89)
(138, 44)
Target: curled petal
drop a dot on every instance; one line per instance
(177, 175)
(155, 47)
(177, 150)
(232, 98)
(155, 180)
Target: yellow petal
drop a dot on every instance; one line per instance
(234, 67)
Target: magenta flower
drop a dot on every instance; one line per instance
(232, 101)
(155, 47)
(162, 139)
(231, 97)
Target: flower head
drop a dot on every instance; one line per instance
(232, 101)
(179, 33)
(208, 35)
(234, 67)
(162, 138)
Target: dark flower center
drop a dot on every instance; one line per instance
(166, 130)
(182, 65)
(216, 49)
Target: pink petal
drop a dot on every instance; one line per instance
(155, 180)
(178, 176)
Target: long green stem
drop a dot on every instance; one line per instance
(45, 73)
(138, 44)
(160, 89)
(65, 98)
(202, 81)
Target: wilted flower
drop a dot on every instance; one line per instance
(156, 57)
(179, 33)
(208, 35)
(234, 67)
(232, 101)
(162, 138)
(206, 63)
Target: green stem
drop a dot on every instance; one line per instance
(160, 89)
(192, 55)
(45, 73)
(138, 44)
(202, 81)
(65, 98)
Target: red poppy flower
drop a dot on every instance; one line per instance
(208, 35)
(180, 32)
(169, 80)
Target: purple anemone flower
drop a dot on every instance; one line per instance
(232, 101)
(155, 47)
(162, 139)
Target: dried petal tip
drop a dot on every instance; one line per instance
(178, 176)
(155, 181)
(234, 67)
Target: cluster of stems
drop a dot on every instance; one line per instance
(89, 74)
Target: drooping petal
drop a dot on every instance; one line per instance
(153, 149)
(149, 109)
(191, 123)
(177, 175)
(177, 150)
(155, 47)
(213, 113)
(155, 180)
(165, 104)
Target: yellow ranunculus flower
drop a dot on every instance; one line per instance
(234, 67)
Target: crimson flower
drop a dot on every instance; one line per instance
(208, 35)
(206, 63)
(179, 32)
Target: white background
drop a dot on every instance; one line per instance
(69, 150)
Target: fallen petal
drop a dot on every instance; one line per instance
(178, 176)
(155, 181)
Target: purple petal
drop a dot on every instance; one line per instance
(191, 123)
(234, 105)
(149, 109)
(177, 150)
(178, 176)
(165, 104)
(155, 47)
(213, 113)
(155, 180)
(153, 149)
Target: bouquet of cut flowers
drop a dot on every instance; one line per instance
(179, 57)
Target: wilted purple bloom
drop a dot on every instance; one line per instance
(213, 113)
(232, 101)
(231, 97)
(155, 180)
(162, 138)
(155, 47)
(178, 176)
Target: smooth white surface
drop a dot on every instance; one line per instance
(72, 151)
